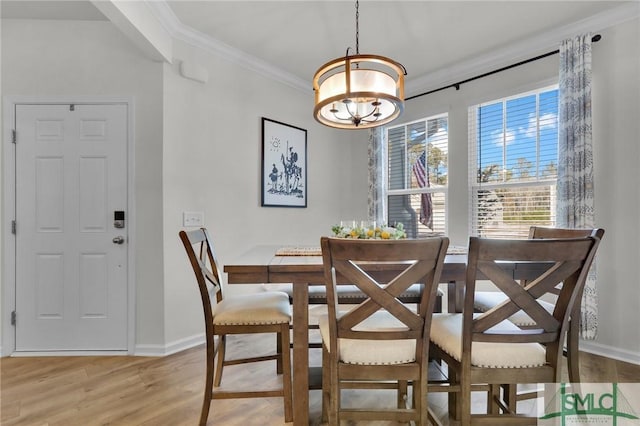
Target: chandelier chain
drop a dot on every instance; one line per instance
(357, 28)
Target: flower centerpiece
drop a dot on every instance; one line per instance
(370, 232)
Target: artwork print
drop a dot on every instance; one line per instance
(284, 165)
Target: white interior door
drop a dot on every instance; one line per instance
(71, 259)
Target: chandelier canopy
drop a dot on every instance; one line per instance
(358, 91)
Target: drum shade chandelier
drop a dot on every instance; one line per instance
(358, 91)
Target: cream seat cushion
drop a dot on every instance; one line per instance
(253, 309)
(446, 332)
(485, 300)
(373, 352)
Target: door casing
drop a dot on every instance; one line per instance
(8, 260)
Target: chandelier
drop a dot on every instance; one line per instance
(358, 91)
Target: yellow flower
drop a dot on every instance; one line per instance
(354, 233)
(385, 235)
(370, 232)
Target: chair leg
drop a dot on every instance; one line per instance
(403, 393)
(326, 384)
(464, 401)
(453, 397)
(285, 360)
(208, 383)
(492, 395)
(573, 340)
(511, 396)
(334, 396)
(221, 353)
(420, 402)
(279, 352)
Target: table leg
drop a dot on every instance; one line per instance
(451, 297)
(455, 296)
(300, 354)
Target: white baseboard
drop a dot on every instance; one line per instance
(140, 350)
(170, 348)
(610, 352)
(67, 353)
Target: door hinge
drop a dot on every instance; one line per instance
(13, 317)
(14, 137)
(13, 227)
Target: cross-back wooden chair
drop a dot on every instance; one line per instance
(381, 339)
(486, 300)
(267, 312)
(486, 348)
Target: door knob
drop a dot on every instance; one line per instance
(118, 240)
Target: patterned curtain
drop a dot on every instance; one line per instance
(376, 175)
(575, 208)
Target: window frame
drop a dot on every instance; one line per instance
(387, 193)
(473, 147)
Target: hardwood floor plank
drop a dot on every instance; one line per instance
(127, 391)
(626, 372)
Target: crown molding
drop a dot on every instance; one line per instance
(515, 52)
(195, 38)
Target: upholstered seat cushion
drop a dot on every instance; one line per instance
(485, 300)
(253, 309)
(446, 332)
(373, 352)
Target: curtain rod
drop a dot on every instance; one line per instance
(457, 85)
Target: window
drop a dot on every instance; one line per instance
(417, 175)
(513, 157)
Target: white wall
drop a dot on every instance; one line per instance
(212, 154)
(616, 109)
(79, 59)
(198, 148)
(616, 136)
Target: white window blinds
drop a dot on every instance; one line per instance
(417, 174)
(513, 152)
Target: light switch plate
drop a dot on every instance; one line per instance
(193, 219)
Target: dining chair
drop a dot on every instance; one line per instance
(486, 300)
(265, 312)
(381, 343)
(485, 350)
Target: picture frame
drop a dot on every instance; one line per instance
(284, 165)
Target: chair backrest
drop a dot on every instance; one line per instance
(568, 262)
(199, 248)
(536, 232)
(382, 270)
(544, 232)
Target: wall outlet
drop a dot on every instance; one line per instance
(193, 219)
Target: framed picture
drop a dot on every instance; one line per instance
(284, 165)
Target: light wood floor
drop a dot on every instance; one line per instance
(118, 390)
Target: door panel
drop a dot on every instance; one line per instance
(71, 279)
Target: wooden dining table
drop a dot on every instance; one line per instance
(265, 264)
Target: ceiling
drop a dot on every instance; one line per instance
(298, 36)
(42, 9)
